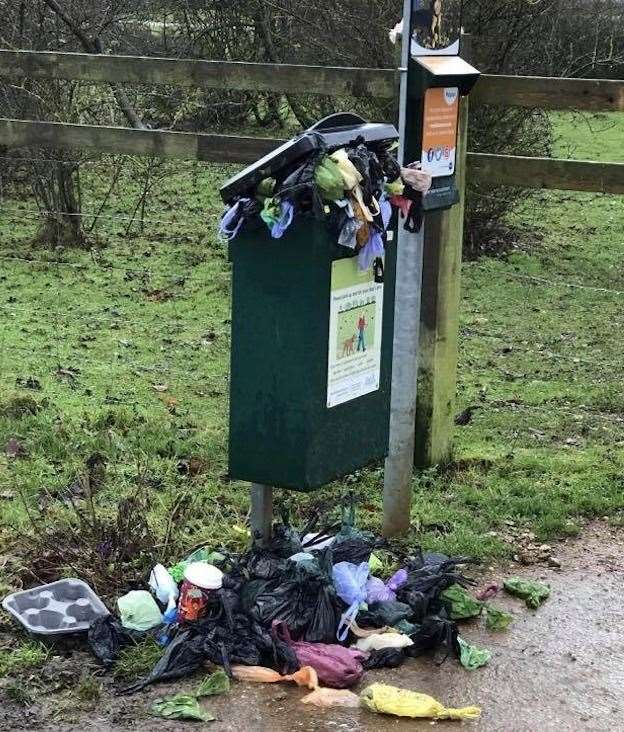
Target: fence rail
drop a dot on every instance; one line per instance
(553, 173)
(285, 78)
(485, 169)
(522, 91)
(127, 141)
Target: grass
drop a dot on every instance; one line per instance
(26, 657)
(123, 353)
(89, 689)
(137, 660)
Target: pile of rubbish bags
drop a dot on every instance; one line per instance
(353, 189)
(338, 603)
(315, 608)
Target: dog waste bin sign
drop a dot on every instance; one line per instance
(440, 131)
(355, 332)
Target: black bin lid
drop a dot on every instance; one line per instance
(340, 129)
(334, 131)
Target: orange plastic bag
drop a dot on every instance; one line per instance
(306, 676)
(327, 698)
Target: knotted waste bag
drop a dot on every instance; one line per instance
(337, 667)
(403, 703)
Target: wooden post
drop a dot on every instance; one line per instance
(439, 329)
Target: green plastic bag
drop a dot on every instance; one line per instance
(138, 611)
(265, 188)
(329, 180)
(180, 706)
(271, 212)
(375, 564)
(463, 604)
(405, 627)
(213, 685)
(532, 592)
(396, 188)
(200, 555)
(497, 620)
(348, 529)
(471, 657)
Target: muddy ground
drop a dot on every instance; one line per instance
(560, 668)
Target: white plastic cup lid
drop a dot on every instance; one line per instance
(204, 575)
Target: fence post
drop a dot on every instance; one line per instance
(439, 322)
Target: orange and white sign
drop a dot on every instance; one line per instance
(440, 131)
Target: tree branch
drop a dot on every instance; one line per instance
(95, 47)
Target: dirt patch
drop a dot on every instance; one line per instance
(560, 668)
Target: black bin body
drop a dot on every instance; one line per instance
(282, 431)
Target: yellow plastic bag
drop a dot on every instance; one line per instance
(306, 676)
(350, 174)
(403, 703)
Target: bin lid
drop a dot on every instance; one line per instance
(342, 128)
(334, 131)
(266, 167)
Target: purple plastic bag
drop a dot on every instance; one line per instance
(386, 211)
(336, 666)
(373, 248)
(232, 220)
(378, 591)
(350, 583)
(284, 221)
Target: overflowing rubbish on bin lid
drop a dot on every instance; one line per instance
(316, 607)
(352, 187)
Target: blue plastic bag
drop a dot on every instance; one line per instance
(350, 583)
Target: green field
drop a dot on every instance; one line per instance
(119, 359)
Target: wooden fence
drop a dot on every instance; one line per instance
(522, 91)
(441, 277)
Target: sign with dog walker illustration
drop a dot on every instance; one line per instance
(439, 144)
(355, 327)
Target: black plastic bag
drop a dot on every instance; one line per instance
(384, 658)
(284, 543)
(266, 566)
(278, 600)
(184, 656)
(246, 643)
(222, 605)
(390, 165)
(415, 218)
(437, 632)
(354, 550)
(369, 167)
(106, 638)
(428, 577)
(380, 614)
(326, 608)
(299, 186)
(304, 598)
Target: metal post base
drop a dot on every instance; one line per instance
(261, 517)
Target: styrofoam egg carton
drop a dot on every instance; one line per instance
(65, 606)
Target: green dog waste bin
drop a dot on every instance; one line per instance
(311, 354)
